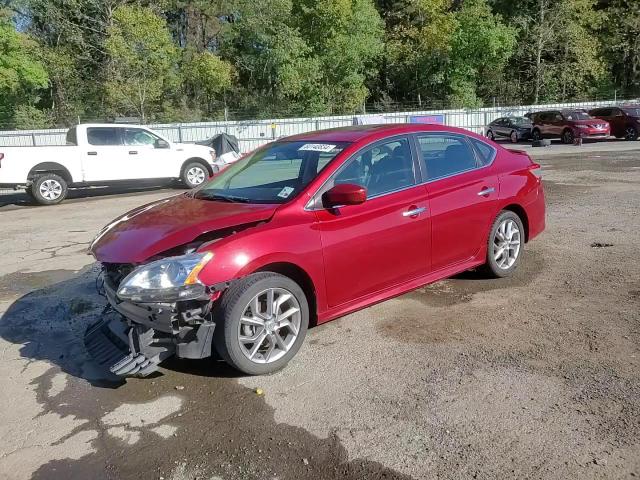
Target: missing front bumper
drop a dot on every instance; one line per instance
(136, 350)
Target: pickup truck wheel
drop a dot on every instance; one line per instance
(194, 174)
(48, 189)
(263, 321)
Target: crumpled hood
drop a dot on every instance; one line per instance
(165, 224)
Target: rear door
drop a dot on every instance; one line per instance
(104, 158)
(463, 192)
(386, 240)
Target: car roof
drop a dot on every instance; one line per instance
(358, 133)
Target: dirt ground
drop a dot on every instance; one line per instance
(537, 376)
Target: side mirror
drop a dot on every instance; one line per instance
(344, 194)
(159, 143)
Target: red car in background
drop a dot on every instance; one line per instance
(567, 125)
(624, 121)
(304, 230)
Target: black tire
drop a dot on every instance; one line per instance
(491, 136)
(631, 133)
(188, 176)
(568, 137)
(513, 136)
(491, 266)
(232, 307)
(48, 189)
(536, 135)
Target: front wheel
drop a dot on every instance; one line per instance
(194, 174)
(568, 137)
(505, 244)
(514, 136)
(631, 133)
(264, 319)
(491, 135)
(536, 135)
(48, 189)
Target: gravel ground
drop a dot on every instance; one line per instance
(537, 376)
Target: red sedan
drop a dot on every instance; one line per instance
(304, 230)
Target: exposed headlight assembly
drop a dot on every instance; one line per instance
(167, 280)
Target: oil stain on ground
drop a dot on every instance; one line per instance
(222, 428)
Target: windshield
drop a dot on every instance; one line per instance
(274, 173)
(520, 121)
(576, 115)
(633, 111)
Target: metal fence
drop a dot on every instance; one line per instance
(253, 133)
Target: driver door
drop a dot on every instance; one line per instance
(386, 240)
(146, 160)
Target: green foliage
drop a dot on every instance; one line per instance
(142, 61)
(187, 60)
(22, 74)
(28, 117)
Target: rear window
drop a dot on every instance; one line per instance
(72, 137)
(103, 136)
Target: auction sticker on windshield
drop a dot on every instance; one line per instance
(316, 147)
(285, 192)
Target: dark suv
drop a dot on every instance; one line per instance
(624, 121)
(567, 125)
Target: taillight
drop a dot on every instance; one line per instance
(536, 169)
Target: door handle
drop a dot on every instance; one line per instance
(133, 152)
(486, 191)
(414, 212)
(92, 153)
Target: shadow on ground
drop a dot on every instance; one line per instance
(20, 199)
(222, 428)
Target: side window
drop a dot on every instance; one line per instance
(557, 117)
(446, 155)
(383, 168)
(616, 112)
(103, 136)
(486, 153)
(137, 136)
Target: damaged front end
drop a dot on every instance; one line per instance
(133, 337)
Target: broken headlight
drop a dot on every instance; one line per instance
(167, 280)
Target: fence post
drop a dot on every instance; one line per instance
(179, 133)
(33, 139)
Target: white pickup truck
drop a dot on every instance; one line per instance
(103, 154)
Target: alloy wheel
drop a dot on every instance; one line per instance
(269, 325)
(196, 175)
(506, 244)
(50, 189)
(514, 137)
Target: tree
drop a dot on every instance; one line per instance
(22, 75)
(481, 46)
(620, 38)
(142, 61)
(207, 76)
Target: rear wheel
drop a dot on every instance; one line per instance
(48, 189)
(265, 317)
(631, 133)
(505, 244)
